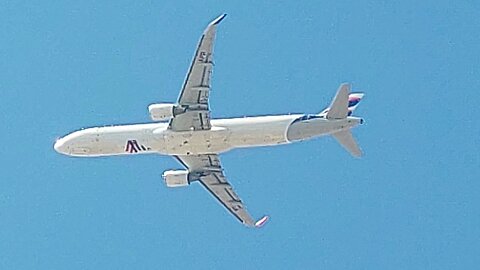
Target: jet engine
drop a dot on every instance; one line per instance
(176, 178)
(162, 111)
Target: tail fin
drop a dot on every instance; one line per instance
(342, 106)
(353, 100)
(345, 139)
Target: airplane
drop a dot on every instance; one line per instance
(186, 131)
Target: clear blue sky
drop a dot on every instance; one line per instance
(413, 201)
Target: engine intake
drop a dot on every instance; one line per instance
(162, 111)
(175, 178)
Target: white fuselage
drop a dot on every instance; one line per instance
(225, 134)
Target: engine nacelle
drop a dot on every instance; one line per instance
(161, 112)
(176, 178)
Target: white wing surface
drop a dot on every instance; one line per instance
(208, 171)
(193, 99)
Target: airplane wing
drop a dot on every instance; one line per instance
(208, 171)
(193, 98)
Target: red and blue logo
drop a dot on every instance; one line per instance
(353, 101)
(132, 146)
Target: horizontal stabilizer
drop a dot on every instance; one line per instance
(339, 107)
(345, 138)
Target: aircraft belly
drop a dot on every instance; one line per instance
(107, 141)
(307, 129)
(196, 142)
(259, 134)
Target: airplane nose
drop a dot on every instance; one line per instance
(59, 146)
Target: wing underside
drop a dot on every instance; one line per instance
(193, 103)
(193, 98)
(208, 171)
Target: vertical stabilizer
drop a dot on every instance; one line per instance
(353, 101)
(345, 138)
(339, 107)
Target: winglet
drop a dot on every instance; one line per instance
(218, 19)
(261, 221)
